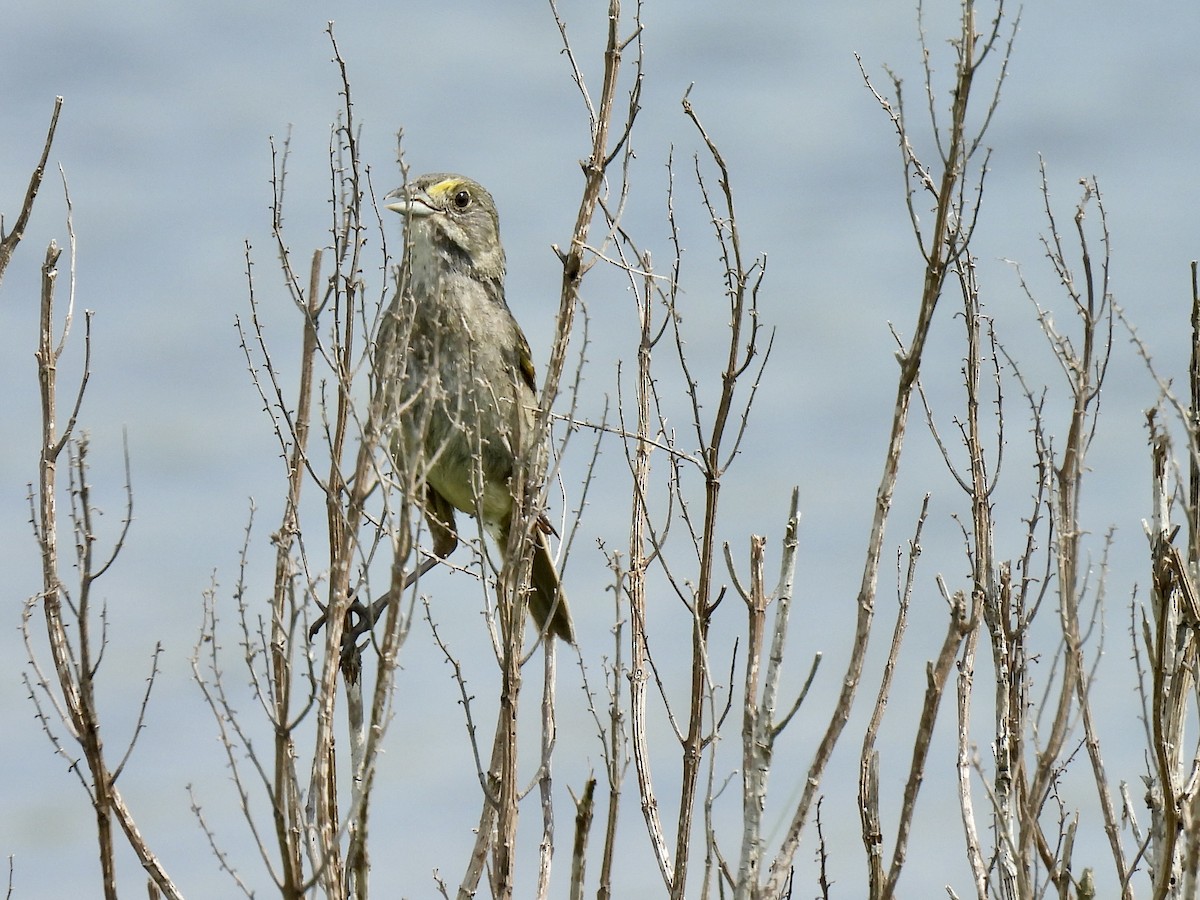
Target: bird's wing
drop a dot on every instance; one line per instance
(525, 362)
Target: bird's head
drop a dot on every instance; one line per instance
(454, 216)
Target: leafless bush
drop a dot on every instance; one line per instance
(64, 691)
(351, 548)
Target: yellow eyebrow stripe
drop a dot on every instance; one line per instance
(444, 187)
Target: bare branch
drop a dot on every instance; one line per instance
(10, 239)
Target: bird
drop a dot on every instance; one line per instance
(460, 383)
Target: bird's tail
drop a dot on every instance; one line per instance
(547, 600)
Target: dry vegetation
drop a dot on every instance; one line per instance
(323, 670)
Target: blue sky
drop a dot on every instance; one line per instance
(164, 142)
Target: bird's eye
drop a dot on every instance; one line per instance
(462, 199)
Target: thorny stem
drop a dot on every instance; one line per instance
(947, 245)
(75, 667)
(703, 603)
(639, 671)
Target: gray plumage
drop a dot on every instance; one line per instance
(464, 393)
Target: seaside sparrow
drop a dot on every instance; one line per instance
(462, 403)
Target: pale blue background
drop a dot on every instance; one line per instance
(164, 141)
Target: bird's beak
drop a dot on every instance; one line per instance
(409, 201)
